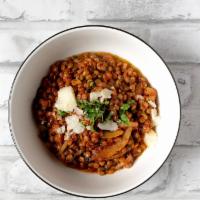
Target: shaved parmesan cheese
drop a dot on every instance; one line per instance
(154, 116)
(88, 128)
(66, 100)
(73, 124)
(61, 130)
(78, 111)
(108, 125)
(139, 97)
(150, 138)
(102, 95)
(152, 104)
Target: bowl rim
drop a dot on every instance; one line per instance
(10, 97)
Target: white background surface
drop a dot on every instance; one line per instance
(172, 27)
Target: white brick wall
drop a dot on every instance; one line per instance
(29, 183)
(184, 83)
(172, 27)
(37, 10)
(185, 169)
(179, 44)
(20, 43)
(138, 10)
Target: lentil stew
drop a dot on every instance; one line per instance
(93, 111)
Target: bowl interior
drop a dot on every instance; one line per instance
(25, 133)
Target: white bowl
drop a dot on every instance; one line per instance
(25, 133)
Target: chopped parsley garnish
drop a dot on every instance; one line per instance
(94, 110)
(122, 112)
(62, 113)
(123, 118)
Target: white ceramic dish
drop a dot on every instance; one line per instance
(24, 131)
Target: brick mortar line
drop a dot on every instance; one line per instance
(191, 64)
(9, 64)
(153, 21)
(71, 23)
(21, 19)
(33, 196)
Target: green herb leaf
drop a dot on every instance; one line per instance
(127, 105)
(124, 118)
(62, 113)
(122, 112)
(131, 101)
(94, 110)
